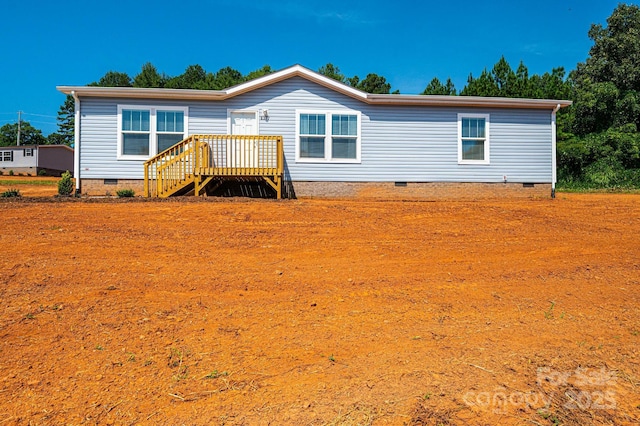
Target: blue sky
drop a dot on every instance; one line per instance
(48, 43)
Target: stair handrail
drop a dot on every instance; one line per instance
(181, 154)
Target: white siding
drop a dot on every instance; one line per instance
(399, 143)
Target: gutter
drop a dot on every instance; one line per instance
(554, 163)
(76, 140)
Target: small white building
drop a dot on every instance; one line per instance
(32, 159)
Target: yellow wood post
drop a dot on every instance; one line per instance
(196, 185)
(146, 180)
(280, 165)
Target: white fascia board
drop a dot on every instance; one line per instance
(296, 71)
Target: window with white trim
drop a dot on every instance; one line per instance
(473, 138)
(6, 155)
(332, 136)
(144, 131)
(28, 152)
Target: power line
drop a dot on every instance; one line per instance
(39, 115)
(41, 122)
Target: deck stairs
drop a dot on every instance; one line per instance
(200, 161)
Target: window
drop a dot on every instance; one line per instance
(312, 135)
(170, 128)
(473, 138)
(28, 152)
(145, 131)
(344, 132)
(328, 137)
(136, 132)
(6, 156)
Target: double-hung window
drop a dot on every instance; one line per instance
(136, 132)
(170, 128)
(28, 152)
(144, 131)
(473, 138)
(6, 156)
(332, 136)
(344, 136)
(313, 130)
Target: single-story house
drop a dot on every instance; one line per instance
(329, 139)
(33, 159)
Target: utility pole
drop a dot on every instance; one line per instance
(19, 124)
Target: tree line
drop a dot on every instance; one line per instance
(598, 137)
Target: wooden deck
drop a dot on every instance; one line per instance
(200, 159)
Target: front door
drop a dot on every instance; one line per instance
(242, 152)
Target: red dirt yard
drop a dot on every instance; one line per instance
(316, 312)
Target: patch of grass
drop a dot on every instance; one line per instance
(215, 374)
(99, 348)
(548, 314)
(549, 416)
(28, 182)
(125, 193)
(176, 360)
(11, 193)
(332, 358)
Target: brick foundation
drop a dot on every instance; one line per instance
(31, 171)
(97, 187)
(426, 190)
(364, 190)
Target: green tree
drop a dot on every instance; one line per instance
(550, 85)
(373, 83)
(114, 79)
(522, 84)
(331, 71)
(66, 120)
(505, 79)
(29, 135)
(149, 77)
(194, 76)
(56, 139)
(265, 70)
(435, 87)
(485, 85)
(608, 82)
(227, 77)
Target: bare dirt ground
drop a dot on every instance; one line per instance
(313, 312)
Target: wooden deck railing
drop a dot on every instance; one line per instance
(200, 158)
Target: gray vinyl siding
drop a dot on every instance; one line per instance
(399, 143)
(19, 159)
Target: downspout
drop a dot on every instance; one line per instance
(553, 151)
(76, 140)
